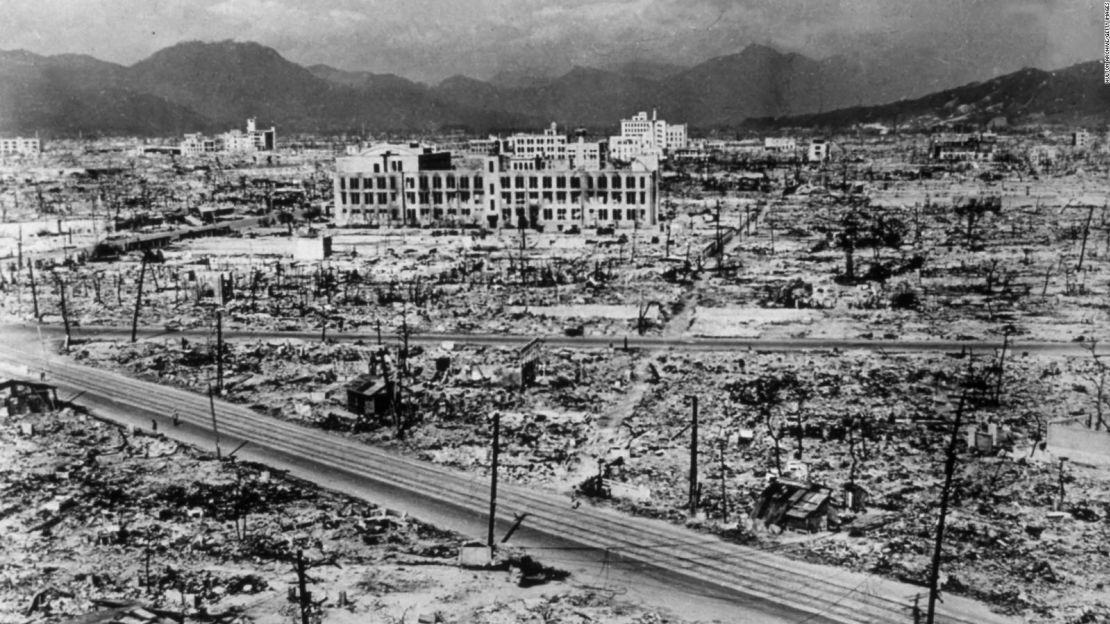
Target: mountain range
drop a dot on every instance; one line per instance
(1074, 94)
(197, 86)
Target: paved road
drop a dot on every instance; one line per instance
(633, 342)
(763, 586)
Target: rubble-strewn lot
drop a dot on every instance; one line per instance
(440, 281)
(546, 430)
(92, 513)
(932, 258)
(879, 421)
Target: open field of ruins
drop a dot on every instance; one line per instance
(833, 455)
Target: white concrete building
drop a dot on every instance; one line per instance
(391, 185)
(550, 144)
(780, 145)
(644, 136)
(237, 141)
(818, 150)
(24, 146)
(588, 155)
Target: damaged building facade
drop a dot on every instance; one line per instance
(412, 185)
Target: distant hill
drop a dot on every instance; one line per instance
(1074, 94)
(70, 94)
(195, 86)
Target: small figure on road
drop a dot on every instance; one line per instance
(176, 418)
(917, 609)
(154, 424)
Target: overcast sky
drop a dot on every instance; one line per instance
(431, 39)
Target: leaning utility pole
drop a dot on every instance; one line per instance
(138, 300)
(949, 472)
(1086, 231)
(493, 476)
(215, 431)
(694, 457)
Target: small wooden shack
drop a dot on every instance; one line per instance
(24, 397)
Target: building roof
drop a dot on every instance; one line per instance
(34, 385)
(368, 385)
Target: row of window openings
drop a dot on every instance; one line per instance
(437, 213)
(353, 184)
(615, 197)
(448, 182)
(560, 197)
(547, 214)
(356, 199)
(601, 182)
(560, 214)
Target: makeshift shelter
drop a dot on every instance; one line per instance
(368, 395)
(794, 505)
(23, 397)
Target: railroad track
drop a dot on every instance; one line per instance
(817, 593)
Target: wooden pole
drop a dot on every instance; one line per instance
(138, 300)
(65, 312)
(493, 476)
(215, 430)
(219, 352)
(694, 456)
(1086, 231)
(724, 491)
(302, 587)
(34, 289)
(949, 473)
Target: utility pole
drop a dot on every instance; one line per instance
(1086, 231)
(493, 476)
(694, 456)
(216, 431)
(302, 588)
(949, 472)
(34, 289)
(65, 313)
(720, 248)
(138, 300)
(724, 492)
(219, 352)
(1060, 492)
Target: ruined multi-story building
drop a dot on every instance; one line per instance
(397, 185)
(24, 146)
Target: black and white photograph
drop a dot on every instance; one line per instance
(554, 312)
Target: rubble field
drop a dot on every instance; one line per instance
(95, 515)
(954, 258)
(501, 281)
(877, 421)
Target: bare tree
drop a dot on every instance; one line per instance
(766, 393)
